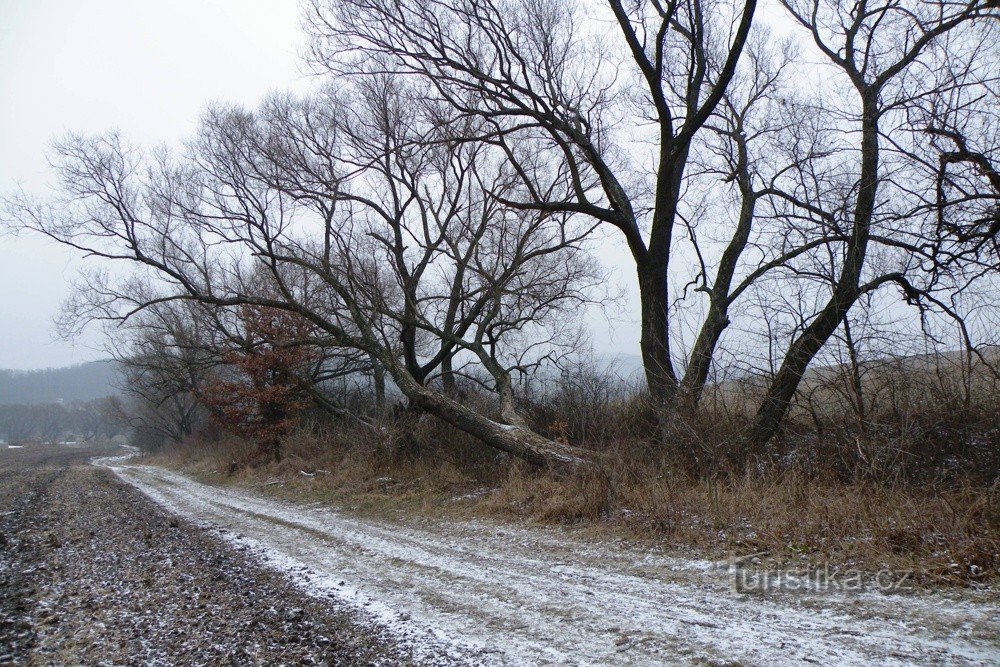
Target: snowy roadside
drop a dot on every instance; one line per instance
(485, 594)
(92, 572)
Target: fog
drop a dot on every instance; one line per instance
(145, 68)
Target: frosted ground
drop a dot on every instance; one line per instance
(481, 593)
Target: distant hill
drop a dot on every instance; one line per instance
(83, 382)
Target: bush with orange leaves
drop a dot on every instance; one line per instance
(263, 396)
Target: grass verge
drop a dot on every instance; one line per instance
(945, 534)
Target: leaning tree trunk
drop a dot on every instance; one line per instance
(702, 354)
(717, 319)
(786, 382)
(517, 440)
(846, 291)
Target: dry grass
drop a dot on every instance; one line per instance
(349, 467)
(944, 536)
(910, 482)
(946, 533)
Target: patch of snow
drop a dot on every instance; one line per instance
(487, 594)
(471, 496)
(114, 462)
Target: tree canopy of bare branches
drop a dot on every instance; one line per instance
(429, 211)
(333, 208)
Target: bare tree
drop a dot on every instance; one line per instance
(549, 93)
(749, 164)
(884, 51)
(571, 104)
(394, 252)
(428, 211)
(164, 358)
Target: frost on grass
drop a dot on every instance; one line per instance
(480, 593)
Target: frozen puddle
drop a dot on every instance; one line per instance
(483, 594)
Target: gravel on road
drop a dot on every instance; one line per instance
(125, 563)
(93, 572)
(489, 593)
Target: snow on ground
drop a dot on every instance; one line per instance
(500, 595)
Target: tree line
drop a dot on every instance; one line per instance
(83, 382)
(52, 422)
(434, 213)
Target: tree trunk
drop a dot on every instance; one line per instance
(786, 382)
(274, 446)
(378, 379)
(846, 290)
(274, 417)
(717, 320)
(516, 440)
(508, 411)
(857, 387)
(448, 377)
(702, 354)
(661, 380)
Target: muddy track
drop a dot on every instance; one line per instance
(488, 594)
(21, 499)
(93, 572)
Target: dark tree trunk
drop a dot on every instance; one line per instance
(702, 354)
(661, 380)
(274, 449)
(514, 439)
(786, 382)
(845, 292)
(273, 418)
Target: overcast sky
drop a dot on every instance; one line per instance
(146, 68)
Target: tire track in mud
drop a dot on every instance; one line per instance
(510, 595)
(27, 479)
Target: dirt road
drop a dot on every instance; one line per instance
(487, 594)
(93, 572)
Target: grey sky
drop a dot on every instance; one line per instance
(147, 68)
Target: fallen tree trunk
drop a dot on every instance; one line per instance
(514, 439)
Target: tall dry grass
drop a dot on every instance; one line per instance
(914, 484)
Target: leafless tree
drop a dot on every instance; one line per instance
(674, 85)
(566, 105)
(428, 211)
(388, 249)
(165, 354)
(891, 55)
(759, 223)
